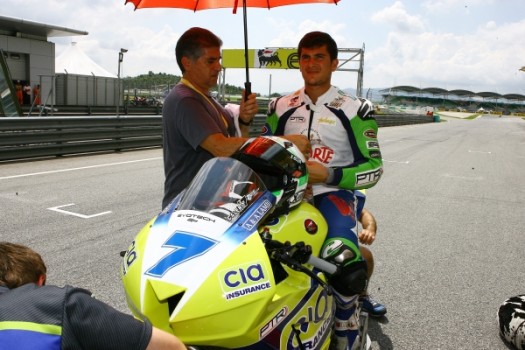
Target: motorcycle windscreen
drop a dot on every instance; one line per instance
(223, 187)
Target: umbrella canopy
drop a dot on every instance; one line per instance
(197, 5)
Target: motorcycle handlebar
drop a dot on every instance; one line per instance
(322, 265)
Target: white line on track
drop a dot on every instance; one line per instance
(395, 161)
(80, 168)
(58, 210)
(477, 178)
(486, 152)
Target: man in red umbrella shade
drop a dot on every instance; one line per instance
(196, 127)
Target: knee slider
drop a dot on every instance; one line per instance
(340, 252)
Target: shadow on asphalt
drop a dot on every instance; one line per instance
(380, 340)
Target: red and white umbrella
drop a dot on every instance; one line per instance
(198, 5)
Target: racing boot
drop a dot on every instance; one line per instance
(348, 283)
(346, 326)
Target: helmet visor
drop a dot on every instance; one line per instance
(272, 162)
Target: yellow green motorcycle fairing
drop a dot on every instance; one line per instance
(201, 271)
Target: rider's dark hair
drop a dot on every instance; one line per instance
(318, 39)
(192, 43)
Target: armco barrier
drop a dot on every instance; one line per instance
(57, 136)
(32, 137)
(384, 120)
(68, 111)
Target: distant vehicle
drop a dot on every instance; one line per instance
(147, 101)
(481, 110)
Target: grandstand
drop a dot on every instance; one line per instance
(453, 100)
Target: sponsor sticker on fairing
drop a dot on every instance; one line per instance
(244, 279)
(273, 323)
(192, 217)
(318, 321)
(254, 219)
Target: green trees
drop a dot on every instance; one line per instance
(155, 83)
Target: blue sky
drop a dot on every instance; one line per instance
(475, 45)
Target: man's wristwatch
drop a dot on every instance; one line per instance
(242, 122)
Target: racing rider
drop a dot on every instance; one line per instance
(345, 156)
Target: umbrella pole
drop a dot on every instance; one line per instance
(247, 84)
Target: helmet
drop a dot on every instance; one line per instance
(512, 321)
(280, 165)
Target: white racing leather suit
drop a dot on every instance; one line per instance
(343, 136)
(333, 127)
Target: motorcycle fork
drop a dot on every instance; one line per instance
(363, 328)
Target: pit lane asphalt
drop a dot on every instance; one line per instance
(450, 210)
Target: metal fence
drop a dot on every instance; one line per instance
(33, 137)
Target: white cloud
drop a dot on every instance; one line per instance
(397, 16)
(470, 44)
(290, 32)
(485, 59)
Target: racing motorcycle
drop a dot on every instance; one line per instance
(232, 262)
